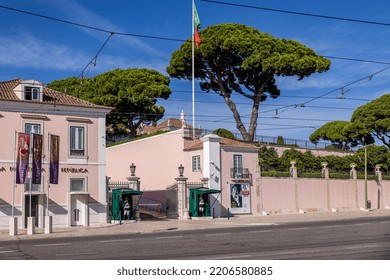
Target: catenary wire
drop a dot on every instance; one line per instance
(298, 13)
(150, 36)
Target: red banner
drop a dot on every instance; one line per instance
(37, 159)
(22, 157)
(54, 158)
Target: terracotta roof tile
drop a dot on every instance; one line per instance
(49, 96)
(170, 123)
(197, 144)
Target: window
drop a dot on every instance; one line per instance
(77, 185)
(77, 141)
(32, 128)
(196, 164)
(237, 166)
(31, 93)
(34, 187)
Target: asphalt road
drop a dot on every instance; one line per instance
(363, 238)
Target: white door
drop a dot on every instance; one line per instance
(78, 210)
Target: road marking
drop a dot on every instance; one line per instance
(74, 254)
(298, 252)
(301, 228)
(5, 252)
(52, 244)
(361, 247)
(169, 237)
(361, 224)
(231, 257)
(386, 222)
(262, 224)
(217, 234)
(260, 231)
(115, 240)
(335, 226)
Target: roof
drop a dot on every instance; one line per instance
(127, 191)
(198, 144)
(50, 96)
(169, 124)
(204, 190)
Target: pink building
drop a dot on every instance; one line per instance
(221, 164)
(78, 195)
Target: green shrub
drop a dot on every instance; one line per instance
(222, 132)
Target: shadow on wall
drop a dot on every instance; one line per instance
(6, 208)
(56, 208)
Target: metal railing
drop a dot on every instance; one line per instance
(239, 173)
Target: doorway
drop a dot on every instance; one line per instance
(34, 209)
(78, 210)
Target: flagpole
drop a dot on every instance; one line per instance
(48, 180)
(193, 69)
(14, 186)
(31, 167)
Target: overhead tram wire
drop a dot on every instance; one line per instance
(157, 37)
(208, 117)
(181, 40)
(281, 96)
(356, 59)
(303, 104)
(89, 26)
(267, 105)
(340, 88)
(92, 62)
(298, 13)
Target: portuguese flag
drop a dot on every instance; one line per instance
(197, 25)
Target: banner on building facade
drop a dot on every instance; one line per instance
(54, 158)
(37, 159)
(22, 157)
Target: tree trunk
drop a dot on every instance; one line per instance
(240, 126)
(254, 117)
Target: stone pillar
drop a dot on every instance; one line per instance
(182, 197)
(13, 226)
(30, 225)
(205, 182)
(48, 224)
(134, 184)
(378, 173)
(325, 170)
(293, 170)
(353, 172)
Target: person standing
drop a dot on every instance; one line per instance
(127, 208)
(201, 206)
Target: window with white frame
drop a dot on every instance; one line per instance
(77, 185)
(32, 93)
(77, 140)
(32, 128)
(237, 166)
(196, 163)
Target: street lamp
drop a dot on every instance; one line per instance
(132, 169)
(181, 170)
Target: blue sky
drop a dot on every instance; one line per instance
(36, 48)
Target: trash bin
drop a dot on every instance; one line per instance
(368, 204)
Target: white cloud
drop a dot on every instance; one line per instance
(27, 51)
(77, 13)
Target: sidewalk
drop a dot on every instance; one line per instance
(164, 225)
